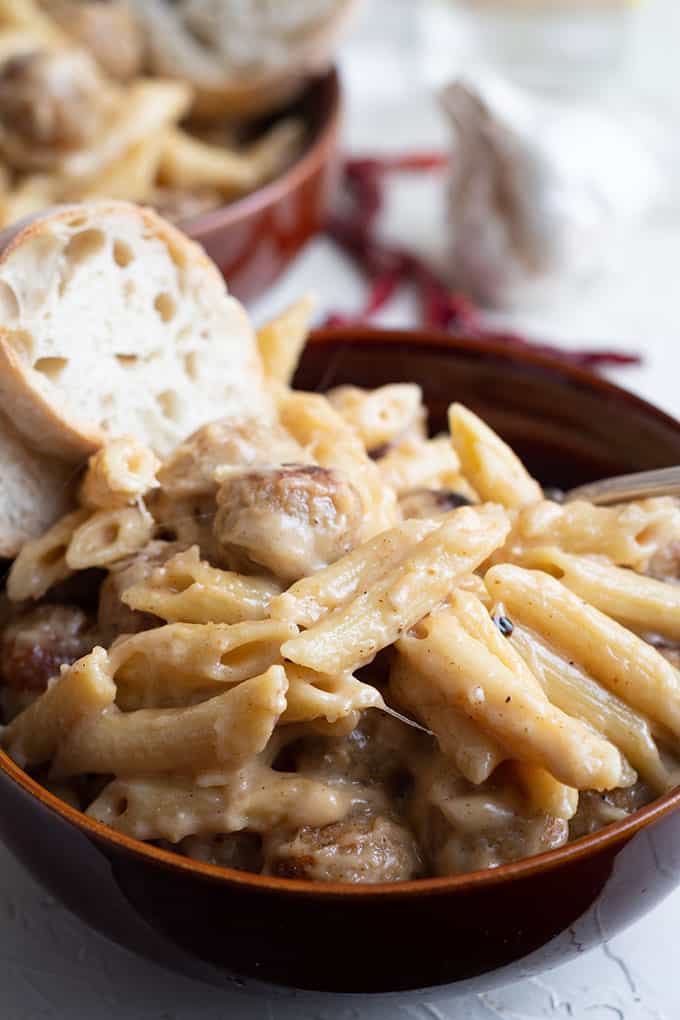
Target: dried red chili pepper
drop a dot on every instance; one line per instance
(387, 267)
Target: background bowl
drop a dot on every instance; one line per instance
(469, 931)
(254, 239)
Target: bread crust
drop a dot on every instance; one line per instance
(36, 490)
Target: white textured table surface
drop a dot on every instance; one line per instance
(51, 966)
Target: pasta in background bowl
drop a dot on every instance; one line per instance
(255, 707)
(82, 120)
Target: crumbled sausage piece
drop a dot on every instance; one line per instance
(37, 643)
(595, 810)
(425, 503)
(114, 617)
(51, 103)
(291, 521)
(362, 848)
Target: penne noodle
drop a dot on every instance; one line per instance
(220, 733)
(492, 468)
(275, 149)
(353, 634)
(610, 653)
(147, 107)
(382, 416)
(28, 15)
(187, 162)
(544, 794)
(641, 603)
(108, 536)
(255, 798)
(188, 590)
(312, 597)
(282, 340)
(82, 692)
(131, 176)
(417, 463)
(507, 703)
(577, 694)
(184, 662)
(118, 474)
(474, 753)
(627, 535)
(42, 562)
(313, 695)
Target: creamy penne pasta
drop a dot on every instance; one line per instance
(222, 732)
(641, 603)
(282, 340)
(188, 590)
(109, 536)
(577, 694)
(182, 662)
(618, 659)
(474, 752)
(417, 463)
(380, 417)
(309, 599)
(42, 562)
(313, 695)
(335, 649)
(254, 798)
(509, 704)
(353, 634)
(628, 536)
(494, 470)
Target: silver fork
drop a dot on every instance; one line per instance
(622, 489)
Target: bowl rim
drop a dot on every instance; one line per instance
(317, 151)
(525, 868)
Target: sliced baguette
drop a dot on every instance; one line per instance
(112, 322)
(35, 491)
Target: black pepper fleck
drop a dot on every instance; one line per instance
(504, 625)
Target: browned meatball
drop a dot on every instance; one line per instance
(291, 521)
(37, 643)
(109, 30)
(51, 103)
(425, 503)
(363, 848)
(190, 469)
(114, 617)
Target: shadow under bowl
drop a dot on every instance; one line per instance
(255, 238)
(468, 932)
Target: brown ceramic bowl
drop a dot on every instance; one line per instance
(254, 239)
(468, 932)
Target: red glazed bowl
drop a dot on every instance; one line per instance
(255, 238)
(468, 932)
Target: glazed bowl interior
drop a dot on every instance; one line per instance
(569, 427)
(254, 238)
